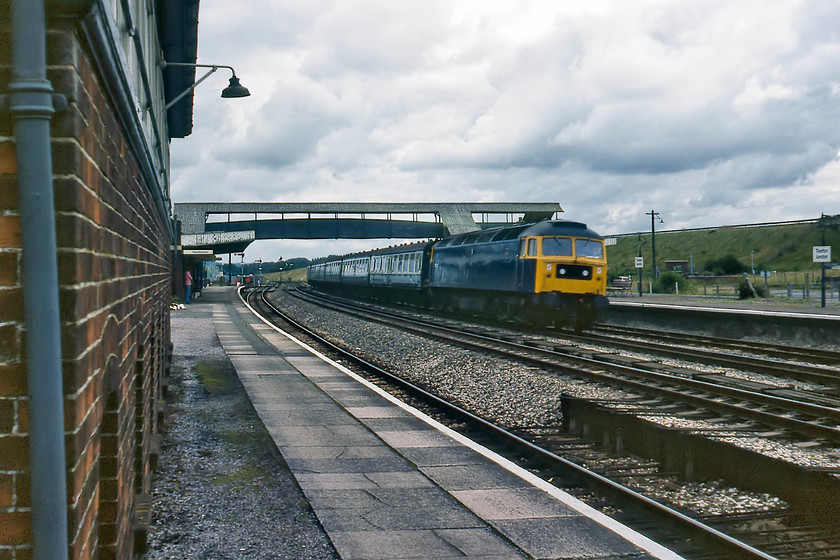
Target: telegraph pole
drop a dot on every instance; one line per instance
(653, 215)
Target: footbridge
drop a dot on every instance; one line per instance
(229, 227)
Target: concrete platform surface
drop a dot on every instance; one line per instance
(388, 482)
(783, 306)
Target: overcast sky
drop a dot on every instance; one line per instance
(710, 112)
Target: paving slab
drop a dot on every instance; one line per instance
(513, 503)
(567, 538)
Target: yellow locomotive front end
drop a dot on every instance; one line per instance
(570, 275)
(570, 265)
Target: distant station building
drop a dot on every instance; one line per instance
(86, 241)
(678, 266)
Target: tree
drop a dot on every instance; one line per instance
(726, 265)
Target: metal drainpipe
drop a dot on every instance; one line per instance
(31, 105)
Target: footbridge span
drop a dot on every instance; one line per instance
(228, 227)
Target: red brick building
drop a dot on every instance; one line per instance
(84, 311)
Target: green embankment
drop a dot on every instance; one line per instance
(785, 251)
(295, 275)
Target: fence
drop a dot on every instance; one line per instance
(793, 285)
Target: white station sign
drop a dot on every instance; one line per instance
(822, 254)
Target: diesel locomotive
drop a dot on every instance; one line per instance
(549, 272)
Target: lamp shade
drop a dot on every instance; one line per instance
(235, 89)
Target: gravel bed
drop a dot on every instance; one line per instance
(222, 490)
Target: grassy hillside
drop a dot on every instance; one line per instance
(775, 248)
(294, 275)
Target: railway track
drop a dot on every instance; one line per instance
(553, 446)
(770, 359)
(777, 351)
(797, 412)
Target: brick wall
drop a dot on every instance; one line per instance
(114, 263)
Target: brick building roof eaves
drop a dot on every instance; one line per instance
(178, 32)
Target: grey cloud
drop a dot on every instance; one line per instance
(291, 124)
(705, 110)
(371, 38)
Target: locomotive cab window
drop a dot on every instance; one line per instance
(532, 248)
(557, 247)
(589, 248)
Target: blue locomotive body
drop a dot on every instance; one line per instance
(481, 261)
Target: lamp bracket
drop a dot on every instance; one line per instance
(213, 68)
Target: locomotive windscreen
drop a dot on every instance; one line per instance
(589, 248)
(557, 246)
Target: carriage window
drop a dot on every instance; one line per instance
(589, 248)
(557, 246)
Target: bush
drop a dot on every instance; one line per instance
(726, 265)
(748, 290)
(667, 280)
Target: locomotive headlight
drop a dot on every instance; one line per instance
(585, 273)
(563, 271)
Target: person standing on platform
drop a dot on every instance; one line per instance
(188, 283)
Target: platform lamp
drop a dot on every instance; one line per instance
(234, 89)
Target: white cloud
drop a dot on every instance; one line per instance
(708, 111)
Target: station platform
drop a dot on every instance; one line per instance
(793, 322)
(769, 306)
(387, 482)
